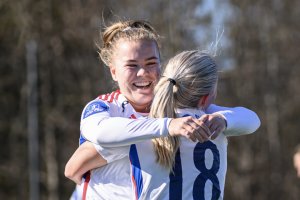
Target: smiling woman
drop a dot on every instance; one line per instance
(131, 51)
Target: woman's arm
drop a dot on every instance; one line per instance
(84, 159)
(240, 120)
(98, 127)
(120, 131)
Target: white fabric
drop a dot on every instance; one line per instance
(77, 193)
(111, 182)
(113, 127)
(112, 124)
(117, 180)
(155, 179)
(240, 120)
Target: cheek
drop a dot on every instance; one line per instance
(125, 73)
(120, 77)
(156, 73)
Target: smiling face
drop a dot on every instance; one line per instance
(136, 67)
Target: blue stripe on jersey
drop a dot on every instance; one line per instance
(81, 140)
(136, 170)
(175, 190)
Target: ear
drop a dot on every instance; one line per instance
(202, 101)
(113, 72)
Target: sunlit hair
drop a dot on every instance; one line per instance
(195, 75)
(128, 30)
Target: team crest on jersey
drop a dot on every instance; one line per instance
(95, 107)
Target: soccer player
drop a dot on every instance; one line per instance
(104, 122)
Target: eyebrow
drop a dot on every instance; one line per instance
(151, 58)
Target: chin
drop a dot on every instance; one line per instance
(144, 100)
(145, 94)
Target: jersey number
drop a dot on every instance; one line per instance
(204, 173)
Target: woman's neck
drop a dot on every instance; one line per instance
(141, 108)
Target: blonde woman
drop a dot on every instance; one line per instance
(127, 176)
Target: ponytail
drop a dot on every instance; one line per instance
(163, 106)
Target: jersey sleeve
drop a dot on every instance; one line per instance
(98, 127)
(111, 154)
(240, 120)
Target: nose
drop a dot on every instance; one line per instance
(142, 71)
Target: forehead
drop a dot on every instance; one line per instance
(135, 49)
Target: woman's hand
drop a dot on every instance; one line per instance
(216, 124)
(191, 128)
(208, 126)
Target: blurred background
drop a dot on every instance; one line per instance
(49, 69)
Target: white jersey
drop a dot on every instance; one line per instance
(199, 171)
(200, 168)
(105, 117)
(114, 181)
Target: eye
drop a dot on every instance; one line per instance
(131, 65)
(152, 64)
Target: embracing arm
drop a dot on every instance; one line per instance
(90, 156)
(84, 159)
(98, 127)
(119, 131)
(240, 120)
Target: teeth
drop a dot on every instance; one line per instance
(142, 84)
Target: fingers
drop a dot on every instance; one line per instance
(203, 130)
(182, 127)
(198, 129)
(200, 137)
(204, 118)
(212, 124)
(217, 132)
(194, 129)
(216, 124)
(190, 128)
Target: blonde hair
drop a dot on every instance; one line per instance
(129, 30)
(187, 77)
